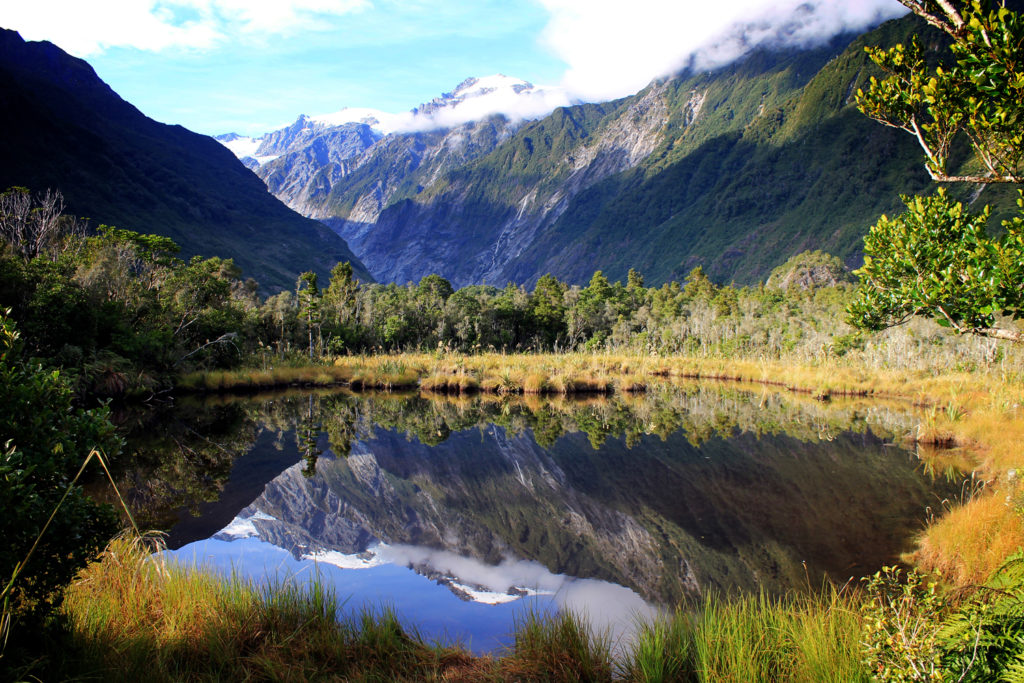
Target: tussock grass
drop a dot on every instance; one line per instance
(559, 648)
(135, 616)
(807, 638)
(535, 383)
(261, 380)
(455, 383)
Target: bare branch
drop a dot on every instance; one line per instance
(988, 179)
(949, 21)
(226, 338)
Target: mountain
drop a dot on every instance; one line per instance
(355, 161)
(736, 169)
(66, 129)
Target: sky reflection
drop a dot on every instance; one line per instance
(483, 623)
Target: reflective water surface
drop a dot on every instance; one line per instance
(463, 513)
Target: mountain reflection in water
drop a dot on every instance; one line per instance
(612, 508)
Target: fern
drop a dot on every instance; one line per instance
(984, 639)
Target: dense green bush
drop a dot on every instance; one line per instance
(46, 439)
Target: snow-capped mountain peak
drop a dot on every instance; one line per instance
(488, 84)
(474, 99)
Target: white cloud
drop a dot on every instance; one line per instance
(276, 16)
(88, 28)
(609, 607)
(533, 103)
(613, 48)
(495, 94)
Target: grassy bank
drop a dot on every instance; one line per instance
(133, 616)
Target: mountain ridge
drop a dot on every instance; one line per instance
(736, 169)
(113, 164)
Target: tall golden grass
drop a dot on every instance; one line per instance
(136, 616)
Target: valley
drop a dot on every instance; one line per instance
(717, 378)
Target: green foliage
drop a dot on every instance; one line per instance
(984, 639)
(119, 313)
(307, 293)
(901, 616)
(981, 96)
(46, 440)
(547, 308)
(915, 633)
(936, 260)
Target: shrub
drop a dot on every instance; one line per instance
(46, 440)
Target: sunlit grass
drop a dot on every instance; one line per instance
(136, 616)
(756, 638)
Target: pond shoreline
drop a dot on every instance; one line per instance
(977, 413)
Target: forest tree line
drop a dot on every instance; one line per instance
(121, 314)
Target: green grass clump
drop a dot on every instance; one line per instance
(136, 616)
(743, 641)
(663, 651)
(558, 648)
(756, 638)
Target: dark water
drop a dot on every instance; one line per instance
(463, 514)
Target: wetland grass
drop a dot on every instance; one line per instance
(133, 615)
(136, 616)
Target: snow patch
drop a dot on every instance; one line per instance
(240, 146)
(364, 560)
(242, 527)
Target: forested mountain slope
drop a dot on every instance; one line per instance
(736, 169)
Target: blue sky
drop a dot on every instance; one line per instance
(250, 66)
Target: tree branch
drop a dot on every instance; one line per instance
(943, 178)
(952, 24)
(226, 338)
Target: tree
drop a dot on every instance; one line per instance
(980, 96)
(308, 294)
(341, 293)
(34, 225)
(698, 285)
(547, 308)
(936, 260)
